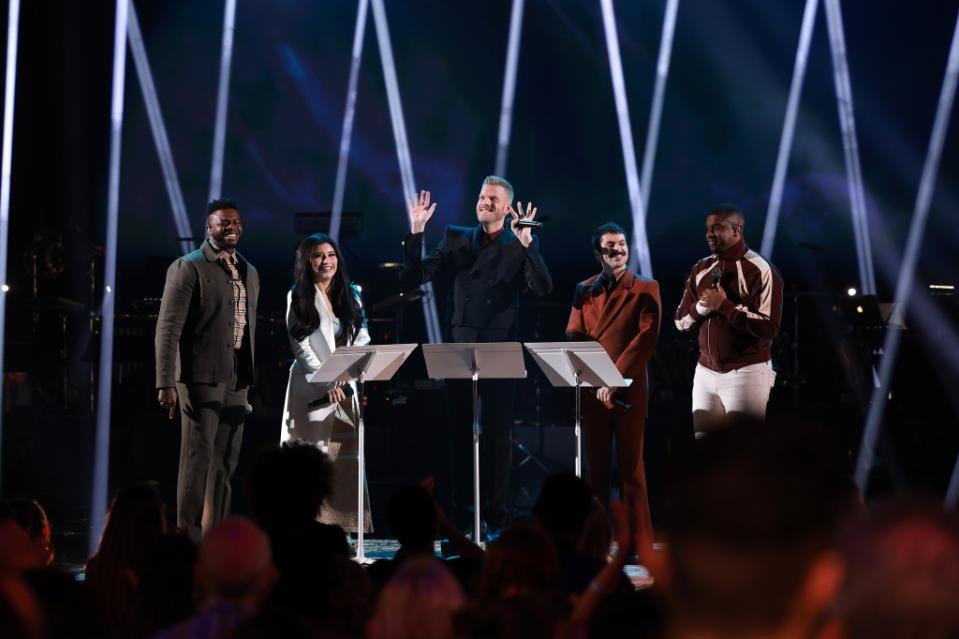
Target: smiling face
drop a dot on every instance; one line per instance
(613, 252)
(723, 232)
(323, 264)
(225, 228)
(491, 205)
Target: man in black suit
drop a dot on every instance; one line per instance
(204, 360)
(490, 266)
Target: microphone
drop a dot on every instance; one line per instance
(324, 401)
(621, 403)
(529, 224)
(716, 274)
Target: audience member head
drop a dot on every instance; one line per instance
(418, 602)
(166, 583)
(562, 507)
(289, 483)
(523, 561)
(18, 553)
(135, 522)
(597, 533)
(21, 616)
(31, 516)
(902, 573)
(412, 517)
(750, 523)
(235, 563)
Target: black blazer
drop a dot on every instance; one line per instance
(194, 334)
(486, 282)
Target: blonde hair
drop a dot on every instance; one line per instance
(498, 181)
(418, 602)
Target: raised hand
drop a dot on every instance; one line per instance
(420, 211)
(525, 235)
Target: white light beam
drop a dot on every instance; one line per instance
(789, 128)
(659, 94)
(162, 142)
(336, 214)
(9, 92)
(101, 452)
(223, 95)
(434, 334)
(907, 272)
(850, 145)
(640, 242)
(509, 86)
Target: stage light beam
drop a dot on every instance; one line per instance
(659, 95)
(907, 271)
(349, 113)
(177, 205)
(640, 241)
(9, 92)
(434, 334)
(789, 128)
(509, 86)
(223, 96)
(850, 145)
(101, 452)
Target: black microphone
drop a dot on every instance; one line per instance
(621, 403)
(324, 401)
(716, 273)
(529, 224)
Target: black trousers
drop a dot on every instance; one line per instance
(211, 432)
(496, 422)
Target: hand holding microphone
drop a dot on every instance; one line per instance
(335, 395)
(712, 298)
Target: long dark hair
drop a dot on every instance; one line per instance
(343, 296)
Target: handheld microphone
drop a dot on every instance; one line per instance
(324, 401)
(529, 224)
(621, 404)
(716, 274)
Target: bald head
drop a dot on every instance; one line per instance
(235, 561)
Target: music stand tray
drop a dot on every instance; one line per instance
(363, 364)
(475, 361)
(576, 364)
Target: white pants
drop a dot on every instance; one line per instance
(743, 390)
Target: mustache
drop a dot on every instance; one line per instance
(612, 252)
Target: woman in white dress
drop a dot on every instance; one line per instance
(323, 311)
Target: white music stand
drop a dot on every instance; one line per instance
(577, 364)
(493, 360)
(363, 364)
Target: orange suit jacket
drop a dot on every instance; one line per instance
(626, 324)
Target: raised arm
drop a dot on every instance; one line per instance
(418, 269)
(535, 271)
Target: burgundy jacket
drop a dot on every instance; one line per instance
(625, 323)
(740, 332)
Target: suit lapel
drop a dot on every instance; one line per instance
(491, 253)
(614, 303)
(326, 321)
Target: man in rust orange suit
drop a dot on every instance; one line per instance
(620, 310)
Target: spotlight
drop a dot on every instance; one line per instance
(851, 292)
(5, 288)
(859, 309)
(942, 287)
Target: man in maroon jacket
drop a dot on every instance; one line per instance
(734, 298)
(620, 310)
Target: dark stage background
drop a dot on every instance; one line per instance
(731, 67)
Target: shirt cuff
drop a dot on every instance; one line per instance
(701, 309)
